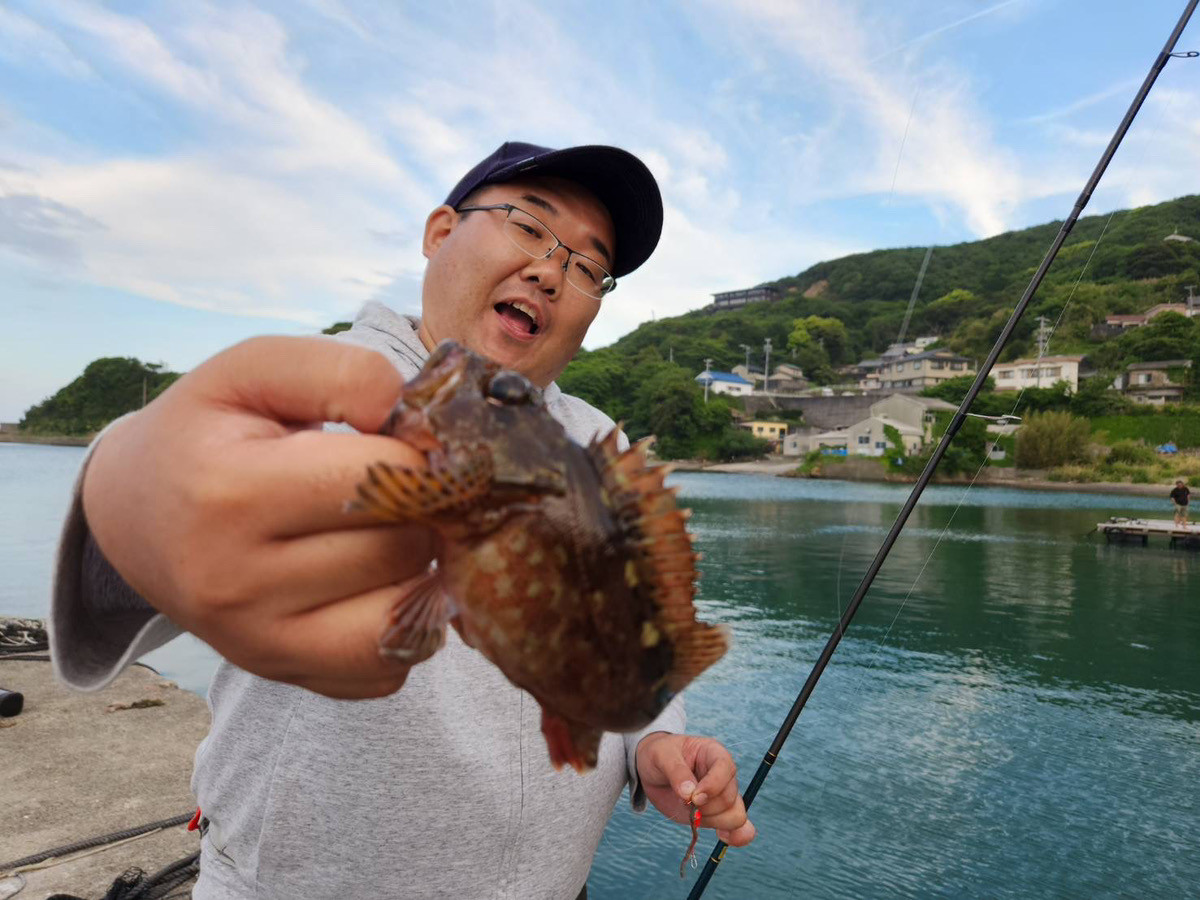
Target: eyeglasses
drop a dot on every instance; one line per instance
(530, 234)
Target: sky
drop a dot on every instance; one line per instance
(175, 177)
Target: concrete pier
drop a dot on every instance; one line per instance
(79, 765)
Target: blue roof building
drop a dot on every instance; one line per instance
(725, 383)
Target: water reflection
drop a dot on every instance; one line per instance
(976, 733)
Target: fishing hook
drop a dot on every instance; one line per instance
(960, 415)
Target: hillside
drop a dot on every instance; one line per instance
(108, 388)
(968, 292)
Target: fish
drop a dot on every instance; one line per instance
(570, 568)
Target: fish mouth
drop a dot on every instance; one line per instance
(520, 318)
(442, 373)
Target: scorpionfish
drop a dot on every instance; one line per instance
(568, 567)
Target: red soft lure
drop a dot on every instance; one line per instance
(690, 856)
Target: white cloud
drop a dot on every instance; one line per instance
(21, 39)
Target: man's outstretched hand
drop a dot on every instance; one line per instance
(223, 504)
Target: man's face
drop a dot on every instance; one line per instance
(479, 287)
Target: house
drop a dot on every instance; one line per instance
(725, 383)
(1019, 374)
(736, 299)
(869, 438)
(785, 378)
(916, 412)
(1157, 383)
(921, 370)
(800, 441)
(768, 431)
(1189, 309)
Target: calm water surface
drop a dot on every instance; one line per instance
(1014, 713)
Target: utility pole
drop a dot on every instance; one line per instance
(767, 367)
(1043, 341)
(671, 354)
(708, 380)
(746, 347)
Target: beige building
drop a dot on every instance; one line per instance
(1152, 382)
(768, 431)
(915, 411)
(868, 437)
(921, 370)
(1033, 373)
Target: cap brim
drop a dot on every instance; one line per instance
(620, 181)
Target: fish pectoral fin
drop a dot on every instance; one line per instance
(400, 493)
(571, 743)
(417, 623)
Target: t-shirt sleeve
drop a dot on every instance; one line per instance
(673, 720)
(98, 623)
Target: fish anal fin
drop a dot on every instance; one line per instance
(416, 626)
(571, 743)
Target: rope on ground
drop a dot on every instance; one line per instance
(102, 840)
(133, 884)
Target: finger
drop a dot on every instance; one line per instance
(308, 481)
(726, 799)
(335, 642)
(306, 572)
(727, 819)
(738, 837)
(356, 688)
(719, 770)
(678, 773)
(301, 380)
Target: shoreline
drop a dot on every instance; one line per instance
(987, 477)
(54, 440)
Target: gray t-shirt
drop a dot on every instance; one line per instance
(443, 789)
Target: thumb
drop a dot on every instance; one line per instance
(302, 380)
(677, 771)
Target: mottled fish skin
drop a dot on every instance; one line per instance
(569, 567)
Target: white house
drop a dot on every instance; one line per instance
(725, 383)
(868, 437)
(915, 411)
(1033, 373)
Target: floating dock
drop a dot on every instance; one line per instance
(1122, 530)
(84, 765)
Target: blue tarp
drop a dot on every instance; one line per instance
(1167, 448)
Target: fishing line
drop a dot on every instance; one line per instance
(903, 140)
(718, 852)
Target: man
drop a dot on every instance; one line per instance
(1179, 496)
(219, 509)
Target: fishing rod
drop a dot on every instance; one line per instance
(960, 416)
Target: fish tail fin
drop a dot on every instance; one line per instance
(571, 743)
(663, 556)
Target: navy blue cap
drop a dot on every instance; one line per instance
(619, 180)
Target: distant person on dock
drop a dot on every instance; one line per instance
(219, 509)
(1179, 496)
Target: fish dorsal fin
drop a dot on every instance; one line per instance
(663, 559)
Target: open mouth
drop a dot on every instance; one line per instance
(520, 317)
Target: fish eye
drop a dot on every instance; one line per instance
(510, 389)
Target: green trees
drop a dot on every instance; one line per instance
(108, 388)
(820, 342)
(655, 396)
(1052, 439)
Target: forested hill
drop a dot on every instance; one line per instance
(967, 294)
